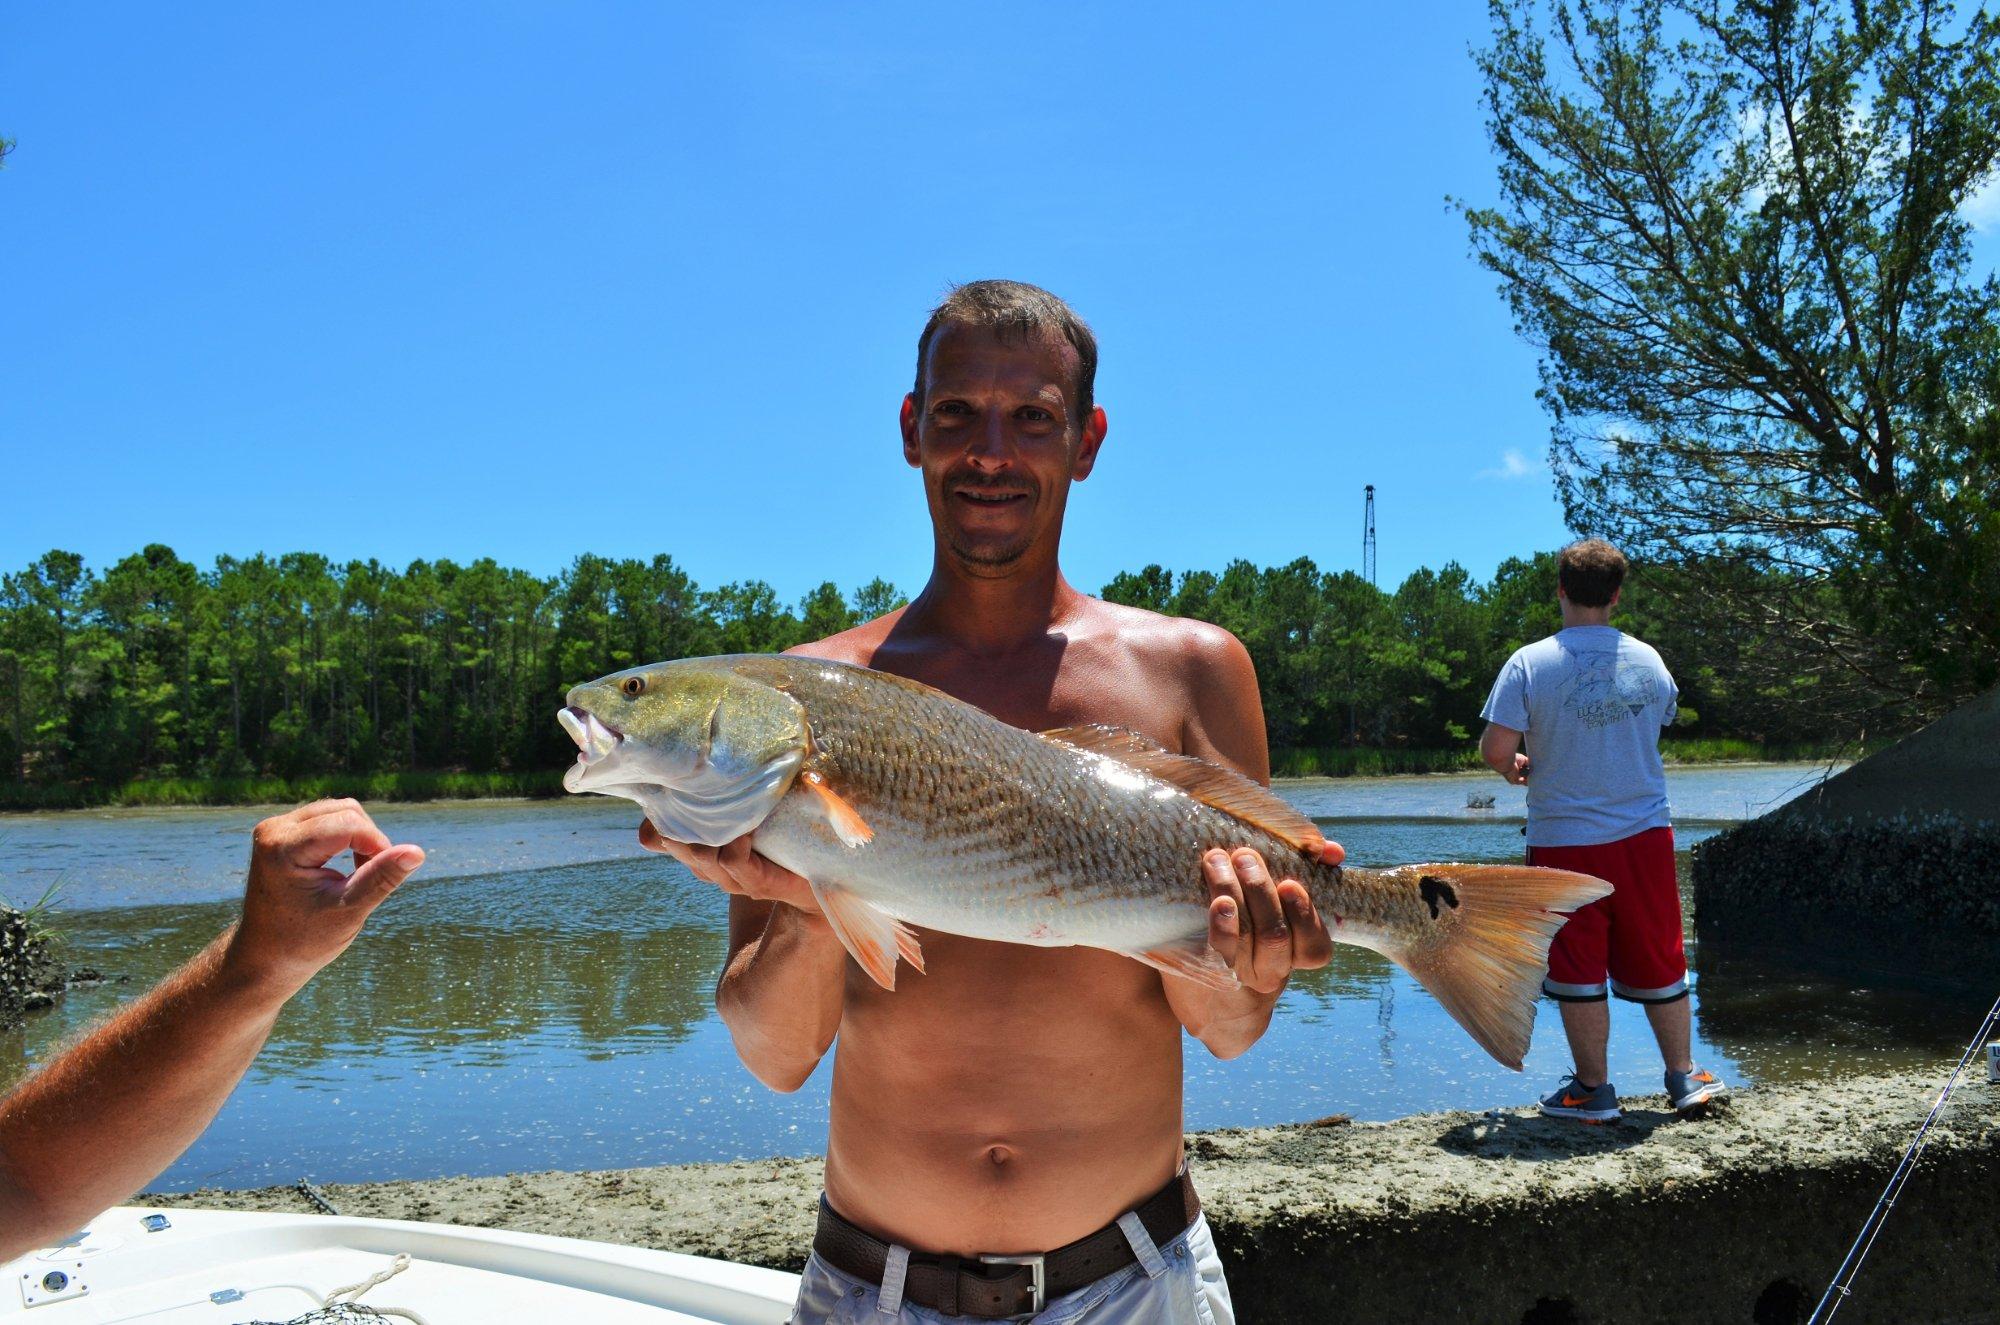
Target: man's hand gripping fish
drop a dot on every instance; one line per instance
(905, 807)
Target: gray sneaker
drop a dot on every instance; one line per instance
(1588, 1104)
(1686, 1090)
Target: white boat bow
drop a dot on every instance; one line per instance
(214, 1267)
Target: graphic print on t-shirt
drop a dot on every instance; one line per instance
(1602, 690)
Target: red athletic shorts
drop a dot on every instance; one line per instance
(1633, 936)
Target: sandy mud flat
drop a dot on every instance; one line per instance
(1738, 1215)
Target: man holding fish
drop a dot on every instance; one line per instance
(1052, 809)
(1015, 1099)
(1005, 1132)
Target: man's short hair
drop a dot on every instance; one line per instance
(1590, 572)
(1016, 311)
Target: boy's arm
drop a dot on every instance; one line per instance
(1506, 715)
(1500, 747)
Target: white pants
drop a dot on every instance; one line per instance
(1178, 1284)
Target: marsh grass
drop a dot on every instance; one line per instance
(1350, 761)
(42, 933)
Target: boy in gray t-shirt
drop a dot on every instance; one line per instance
(1589, 703)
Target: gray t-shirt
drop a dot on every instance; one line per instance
(1592, 701)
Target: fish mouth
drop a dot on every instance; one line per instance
(596, 741)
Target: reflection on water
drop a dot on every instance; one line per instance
(556, 1013)
(1789, 1026)
(528, 1019)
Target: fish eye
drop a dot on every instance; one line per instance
(633, 686)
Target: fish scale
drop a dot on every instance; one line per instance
(906, 807)
(1015, 815)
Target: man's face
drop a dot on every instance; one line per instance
(999, 443)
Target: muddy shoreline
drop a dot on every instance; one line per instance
(1744, 1212)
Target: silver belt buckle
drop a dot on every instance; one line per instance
(1038, 1279)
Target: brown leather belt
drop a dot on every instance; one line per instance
(992, 1287)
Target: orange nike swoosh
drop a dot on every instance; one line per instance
(1571, 1101)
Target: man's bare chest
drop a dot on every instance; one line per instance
(1116, 697)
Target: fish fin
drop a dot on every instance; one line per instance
(871, 935)
(848, 825)
(1190, 959)
(1104, 739)
(1489, 945)
(908, 947)
(1212, 784)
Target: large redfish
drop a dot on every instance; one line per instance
(905, 807)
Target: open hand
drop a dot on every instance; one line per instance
(1265, 930)
(298, 915)
(735, 867)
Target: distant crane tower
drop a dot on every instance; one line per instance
(1368, 537)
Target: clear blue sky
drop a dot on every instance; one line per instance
(526, 280)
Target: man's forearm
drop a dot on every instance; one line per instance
(781, 997)
(105, 1118)
(1226, 1021)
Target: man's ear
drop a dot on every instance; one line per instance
(908, 422)
(1094, 429)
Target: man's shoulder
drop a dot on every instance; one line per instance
(1180, 644)
(857, 644)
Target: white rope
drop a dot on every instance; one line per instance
(352, 1293)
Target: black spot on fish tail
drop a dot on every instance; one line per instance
(1433, 890)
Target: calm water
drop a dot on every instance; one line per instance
(541, 998)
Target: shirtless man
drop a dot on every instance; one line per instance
(1016, 1100)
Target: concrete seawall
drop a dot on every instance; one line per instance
(1884, 870)
(1740, 1215)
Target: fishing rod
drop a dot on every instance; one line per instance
(1843, 1278)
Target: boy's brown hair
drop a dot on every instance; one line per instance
(1590, 572)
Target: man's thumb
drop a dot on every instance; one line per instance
(381, 874)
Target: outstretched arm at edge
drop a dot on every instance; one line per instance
(106, 1116)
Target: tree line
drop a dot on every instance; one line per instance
(1740, 233)
(292, 666)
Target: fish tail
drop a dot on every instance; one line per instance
(1485, 943)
